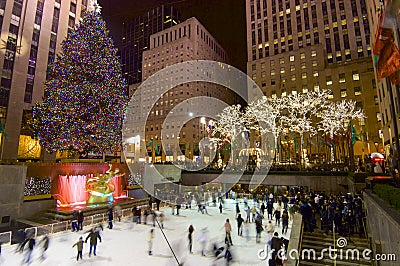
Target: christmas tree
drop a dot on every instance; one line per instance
(85, 98)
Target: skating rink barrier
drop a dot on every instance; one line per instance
(5, 238)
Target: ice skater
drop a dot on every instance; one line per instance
(79, 248)
(110, 218)
(80, 220)
(240, 221)
(190, 237)
(228, 230)
(45, 245)
(93, 235)
(31, 244)
(150, 242)
(203, 239)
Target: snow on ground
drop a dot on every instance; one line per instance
(127, 243)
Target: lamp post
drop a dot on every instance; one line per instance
(376, 145)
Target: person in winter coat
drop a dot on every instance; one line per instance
(74, 221)
(80, 220)
(93, 235)
(240, 221)
(190, 237)
(258, 229)
(277, 214)
(203, 239)
(248, 211)
(220, 207)
(110, 218)
(118, 212)
(79, 247)
(270, 231)
(285, 221)
(31, 244)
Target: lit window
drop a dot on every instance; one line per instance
(283, 94)
(263, 74)
(356, 75)
(281, 61)
(254, 76)
(294, 92)
(313, 53)
(316, 87)
(302, 55)
(378, 117)
(343, 93)
(328, 80)
(291, 58)
(315, 73)
(272, 72)
(305, 89)
(293, 78)
(292, 68)
(273, 95)
(253, 67)
(357, 91)
(314, 63)
(303, 65)
(342, 78)
(272, 63)
(282, 70)
(330, 96)
(263, 65)
(304, 75)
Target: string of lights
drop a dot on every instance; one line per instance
(85, 99)
(37, 186)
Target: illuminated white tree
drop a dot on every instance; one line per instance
(265, 116)
(301, 108)
(229, 124)
(335, 116)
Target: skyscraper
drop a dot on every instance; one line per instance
(301, 45)
(136, 38)
(31, 34)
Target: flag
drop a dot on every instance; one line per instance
(157, 150)
(149, 144)
(395, 77)
(389, 61)
(387, 55)
(296, 144)
(354, 135)
(2, 131)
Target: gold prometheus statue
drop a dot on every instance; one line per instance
(101, 188)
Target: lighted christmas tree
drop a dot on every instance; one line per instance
(85, 99)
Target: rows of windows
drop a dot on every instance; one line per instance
(304, 18)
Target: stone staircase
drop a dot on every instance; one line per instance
(346, 256)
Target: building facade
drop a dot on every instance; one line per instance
(298, 46)
(184, 42)
(31, 35)
(136, 38)
(388, 93)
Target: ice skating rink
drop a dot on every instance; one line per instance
(127, 243)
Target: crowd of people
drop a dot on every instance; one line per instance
(269, 214)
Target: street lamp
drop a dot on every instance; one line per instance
(376, 145)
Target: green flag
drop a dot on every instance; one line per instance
(2, 131)
(354, 135)
(150, 143)
(296, 144)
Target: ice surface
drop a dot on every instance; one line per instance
(127, 243)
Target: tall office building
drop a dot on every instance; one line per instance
(136, 37)
(388, 93)
(305, 45)
(31, 36)
(186, 41)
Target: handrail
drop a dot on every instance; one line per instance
(334, 243)
(300, 242)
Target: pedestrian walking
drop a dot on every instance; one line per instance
(270, 231)
(262, 208)
(93, 235)
(190, 237)
(258, 229)
(253, 213)
(240, 221)
(79, 248)
(220, 207)
(237, 210)
(150, 242)
(161, 219)
(228, 230)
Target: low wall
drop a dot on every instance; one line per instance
(295, 240)
(383, 225)
(30, 208)
(333, 184)
(12, 184)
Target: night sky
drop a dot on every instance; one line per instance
(224, 19)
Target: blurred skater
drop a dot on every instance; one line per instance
(45, 245)
(190, 237)
(150, 242)
(203, 239)
(93, 235)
